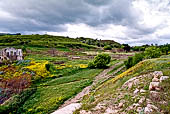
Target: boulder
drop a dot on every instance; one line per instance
(147, 110)
(163, 78)
(139, 109)
(148, 101)
(136, 91)
(142, 91)
(141, 100)
(154, 95)
(152, 107)
(155, 80)
(120, 105)
(157, 74)
(158, 88)
(110, 111)
(154, 85)
(129, 83)
(135, 105)
(85, 112)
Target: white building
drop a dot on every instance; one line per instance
(11, 54)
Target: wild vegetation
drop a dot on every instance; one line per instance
(54, 69)
(57, 68)
(150, 52)
(115, 96)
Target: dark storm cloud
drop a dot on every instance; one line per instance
(40, 15)
(98, 2)
(43, 15)
(31, 16)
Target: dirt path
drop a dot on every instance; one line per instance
(102, 76)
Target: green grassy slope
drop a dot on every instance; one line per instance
(51, 94)
(47, 41)
(111, 89)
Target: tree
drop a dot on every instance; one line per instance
(165, 50)
(108, 47)
(152, 52)
(126, 47)
(100, 61)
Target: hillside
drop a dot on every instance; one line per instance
(49, 41)
(99, 43)
(54, 69)
(133, 91)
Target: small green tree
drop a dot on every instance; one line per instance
(126, 47)
(108, 47)
(129, 63)
(152, 52)
(134, 60)
(100, 61)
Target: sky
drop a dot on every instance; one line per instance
(135, 22)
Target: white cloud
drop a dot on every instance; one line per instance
(136, 22)
(109, 31)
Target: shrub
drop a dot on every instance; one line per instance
(100, 61)
(47, 66)
(152, 52)
(128, 63)
(108, 47)
(137, 58)
(91, 64)
(134, 60)
(50, 67)
(13, 105)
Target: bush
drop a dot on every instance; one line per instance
(100, 61)
(14, 105)
(134, 60)
(128, 63)
(50, 67)
(152, 52)
(107, 47)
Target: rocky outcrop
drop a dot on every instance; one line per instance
(163, 78)
(131, 97)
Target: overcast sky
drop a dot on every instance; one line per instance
(135, 22)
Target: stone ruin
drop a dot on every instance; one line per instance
(10, 54)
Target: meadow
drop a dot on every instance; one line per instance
(56, 69)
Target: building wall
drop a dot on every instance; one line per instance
(11, 54)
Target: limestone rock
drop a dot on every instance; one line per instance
(141, 100)
(157, 88)
(111, 111)
(147, 110)
(157, 74)
(135, 105)
(152, 107)
(120, 105)
(154, 85)
(136, 91)
(129, 83)
(139, 109)
(155, 95)
(142, 91)
(84, 112)
(155, 80)
(163, 78)
(148, 101)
